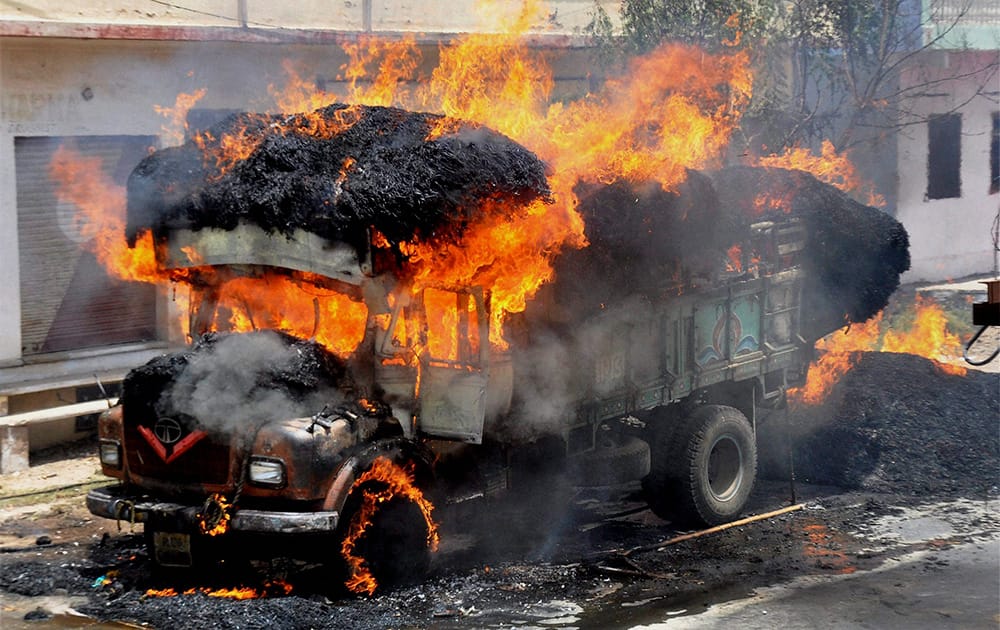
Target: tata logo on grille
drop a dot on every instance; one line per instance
(165, 438)
(167, 430)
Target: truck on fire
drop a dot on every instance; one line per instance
(682, 379)
(664, 386)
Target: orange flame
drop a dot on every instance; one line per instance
(829, 166)
(823, 549)
(735, 255)
(296, 306)
(100, 202)
(221, 526)
(673, 109)
(396, 64)
(175, 130)
(271, 588)
(838, 353)
(398, 482)
(927, 337)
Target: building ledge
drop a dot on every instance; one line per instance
(75, 369)
(257, 35)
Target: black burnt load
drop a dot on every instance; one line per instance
(334, 173)
(641, 237)
(855, 253)
(646, 240)
(246, 376)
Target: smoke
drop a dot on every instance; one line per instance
(250, 378)
(560, 364)
(543, 384)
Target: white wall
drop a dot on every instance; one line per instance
(10, 300)
(950, 238)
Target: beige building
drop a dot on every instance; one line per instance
(90, 75)
(948, 169)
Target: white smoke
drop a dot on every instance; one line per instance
(230, 385)
(565, 364)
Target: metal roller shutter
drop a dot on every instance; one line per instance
(68, 301)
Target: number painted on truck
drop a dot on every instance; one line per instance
(609, 371)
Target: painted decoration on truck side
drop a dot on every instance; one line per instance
(710, 330)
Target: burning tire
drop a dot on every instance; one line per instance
(388, 532)
(711, 472)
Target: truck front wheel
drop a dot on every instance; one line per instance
(385, 541)
(714, 465)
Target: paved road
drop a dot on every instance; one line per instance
(953, 586)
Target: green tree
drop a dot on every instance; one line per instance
(844, 70)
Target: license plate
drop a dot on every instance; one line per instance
(172, 549)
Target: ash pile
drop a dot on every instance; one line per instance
(896, 423)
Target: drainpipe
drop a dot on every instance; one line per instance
(241, 12)
(366, 15)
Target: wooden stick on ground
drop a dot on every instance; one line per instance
(717, 528)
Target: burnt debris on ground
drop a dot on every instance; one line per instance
(335, 173)
(897, 423)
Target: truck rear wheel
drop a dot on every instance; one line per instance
(711, 472)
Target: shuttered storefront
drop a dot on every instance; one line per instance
(68, 301)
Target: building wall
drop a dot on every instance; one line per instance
(950, 238)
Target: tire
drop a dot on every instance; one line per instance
(709, 469)
(394, 547)
(612, 464)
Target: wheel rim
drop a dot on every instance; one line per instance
(725, 468)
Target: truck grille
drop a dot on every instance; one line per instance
(207, 462)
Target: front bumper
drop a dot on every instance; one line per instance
(114, 502)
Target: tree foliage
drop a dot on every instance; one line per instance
(824, 68)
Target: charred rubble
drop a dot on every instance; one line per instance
(895, 423)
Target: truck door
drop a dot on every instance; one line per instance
(454, 365)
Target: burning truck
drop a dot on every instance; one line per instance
(342, 413)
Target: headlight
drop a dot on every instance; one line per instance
(110, 452)
(267, 471)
